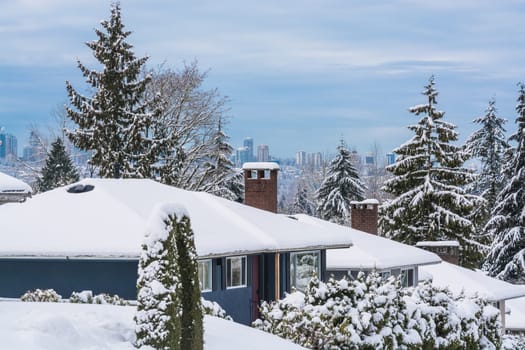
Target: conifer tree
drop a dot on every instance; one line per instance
(113, 123)
(506, 258)
(489, 145)
(340, 186)
(58, 170)
(189, 292)
(220, 176)
(302, 204)
(430, 202)
(158, 303)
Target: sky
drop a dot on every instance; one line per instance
(299, 74)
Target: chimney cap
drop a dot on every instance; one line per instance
(437, 244)
(366, 201)
(260, 166)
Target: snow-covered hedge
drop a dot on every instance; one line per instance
(87, 297)
(42, 295)
(212, 308)
(370, 313)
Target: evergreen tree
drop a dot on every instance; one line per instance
(302, 204)
(489, 145)
(430, 202)
(189, 292)
(158, 314)
(114, 121)
(506, 258)
(340, 186)
(220, 177)
(58, 170)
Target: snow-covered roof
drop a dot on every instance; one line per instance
(9, 184)
(370, 251)
(110, 222)
(65, 326)
(459, 279)
(260, 166)
(437, 244)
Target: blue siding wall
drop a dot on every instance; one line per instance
(236, 302)
(67, 276)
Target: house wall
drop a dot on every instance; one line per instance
(17, 276)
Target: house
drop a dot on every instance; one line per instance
(370, 252)
(13, 190)
(88, 236)
(472, 282)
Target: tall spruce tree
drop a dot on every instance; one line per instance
(220, 176)
(58, 170)
(489, 145)
(340, 186)
(158, 313)
(302, 204)
(506, 258)
(430, 202)
(113, 123)
(169, 311)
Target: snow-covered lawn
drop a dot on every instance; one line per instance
(65, 326)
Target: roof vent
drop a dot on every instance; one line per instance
(80, 188)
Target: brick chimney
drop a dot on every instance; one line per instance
(260, 185)
(446, 250)
(364, 215)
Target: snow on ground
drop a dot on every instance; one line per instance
(65, 326)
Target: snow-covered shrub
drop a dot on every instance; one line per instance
(212, 308)
(87, 297)
(371, 313)
(43, 295)
(83, 297)
(513, 342)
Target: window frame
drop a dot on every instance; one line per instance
(404, 275)
(209, 278)
(293, 266)
(243, 274)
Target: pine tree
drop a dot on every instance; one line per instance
(302, 204)
(340, 186)
(158, 303)
(430, 202)
(114, 122)
(506, 258)
(489, 145)
(189, 292)
(220, 176)
(58, 170)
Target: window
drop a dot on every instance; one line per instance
(407, 277)
(304, 266)
(236, 272)
(205, 275)
(385, 275)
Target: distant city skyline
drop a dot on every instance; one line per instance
(299, 75)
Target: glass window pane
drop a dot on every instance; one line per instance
(303, 266)
(236, 272)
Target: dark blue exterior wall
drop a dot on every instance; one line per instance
(67, 276)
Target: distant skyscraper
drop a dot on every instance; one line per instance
(300, 159)
(263, 153)
(248, 142)
(8, 146)
(318, 160)
(390, 158)
(241, 156)
(370, 159)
